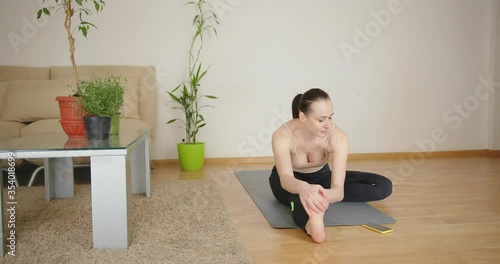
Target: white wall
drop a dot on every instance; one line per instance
(496, 144)
(495, 107)
(398, 89)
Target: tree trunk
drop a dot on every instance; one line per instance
(71, 40)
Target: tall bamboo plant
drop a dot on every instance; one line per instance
(71, 8)
(189, 98)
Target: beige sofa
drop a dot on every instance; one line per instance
(28, 105)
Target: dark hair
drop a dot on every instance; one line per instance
(302, 102)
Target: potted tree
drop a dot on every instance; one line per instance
(186, 95)
(71, 116)
(101, 99)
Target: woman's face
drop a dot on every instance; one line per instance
(319, 120)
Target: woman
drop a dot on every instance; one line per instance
(302, 177)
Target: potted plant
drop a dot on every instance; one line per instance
(71, 116)
(101, 99)
(186, 95)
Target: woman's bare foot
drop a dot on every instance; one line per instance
(316, 228)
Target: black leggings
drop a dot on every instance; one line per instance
(358, 187)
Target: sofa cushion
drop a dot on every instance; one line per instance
(46, 125)
(8, 73)
(3, 91)
(10, 130)
(133, 124)
(63, 72)
(130, 107)
(32, 100)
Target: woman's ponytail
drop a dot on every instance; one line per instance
(295, 106)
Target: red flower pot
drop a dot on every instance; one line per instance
(71, 116)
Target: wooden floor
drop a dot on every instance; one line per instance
(448, 211)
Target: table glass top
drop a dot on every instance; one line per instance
(53, 141)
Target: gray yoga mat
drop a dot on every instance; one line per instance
(256, 183)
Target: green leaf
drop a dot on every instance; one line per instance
(39, 14)
(80, 16)
(215, 16)
(175, 98)
(86, 11)
(198, 72)
(203, 74)
(171, 121)
(89, 24)
(79, 2)
(173, 91)
(211, 97)
(195, 18)
(185, 93)
(83, 30)
(97, 7)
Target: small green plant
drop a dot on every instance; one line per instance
(189, 98)
(83, 26)
(102, 96)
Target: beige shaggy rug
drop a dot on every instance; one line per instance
(183, 222)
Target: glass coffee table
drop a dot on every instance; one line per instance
(119, 167)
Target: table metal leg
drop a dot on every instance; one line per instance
(140, 169)
(59, 178)
(111, 201)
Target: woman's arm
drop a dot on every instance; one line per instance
(281, 148)
(313, 197)
(339, 146)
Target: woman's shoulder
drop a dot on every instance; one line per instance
(339, 132)
(338, 139)
(283, 132)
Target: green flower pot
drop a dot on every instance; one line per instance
(115, 124)
(191, 156)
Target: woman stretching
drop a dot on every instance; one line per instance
(302, 178)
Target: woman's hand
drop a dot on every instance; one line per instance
(313, 198)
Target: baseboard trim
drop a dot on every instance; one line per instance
(413, 155)
(354, 156)
(219, 161)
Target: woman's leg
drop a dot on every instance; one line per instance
(282, 195)
(299, 214)
(315, 226)
(365, 186)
